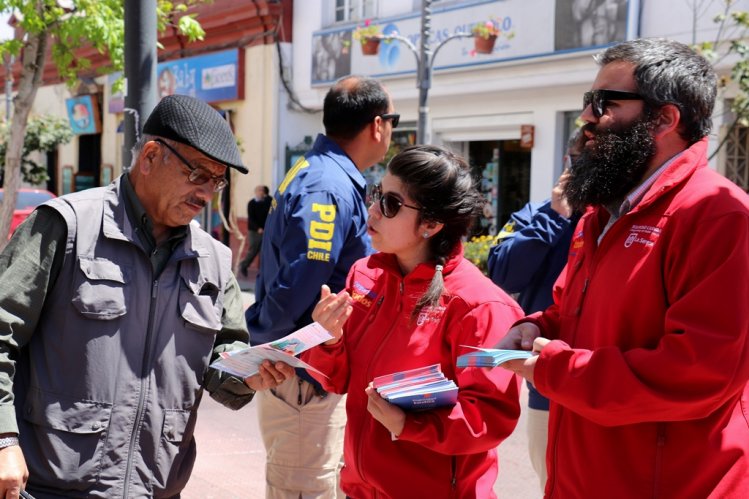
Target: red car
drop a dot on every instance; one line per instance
(28, 199)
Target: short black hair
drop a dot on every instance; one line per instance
(351, 104)
(669, 72)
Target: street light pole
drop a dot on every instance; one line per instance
(424, 62)
(424, 73)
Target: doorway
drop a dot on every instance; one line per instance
(503, 170)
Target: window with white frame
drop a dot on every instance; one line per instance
(354, 10)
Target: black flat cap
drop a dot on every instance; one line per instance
(193, 122)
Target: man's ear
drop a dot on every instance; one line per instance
(376, 128)
(669, 118)
(148, 156)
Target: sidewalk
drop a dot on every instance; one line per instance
(231, 457)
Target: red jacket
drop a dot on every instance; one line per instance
(446, 452)
(649, 381)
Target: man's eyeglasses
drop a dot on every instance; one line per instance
(597, 99)
(392, 116)
(390, 204)
(197, 176)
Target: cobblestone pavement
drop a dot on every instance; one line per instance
(231, 457)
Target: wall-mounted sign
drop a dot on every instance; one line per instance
(527, 133)
(83, 114)
(214, 77)
(528, 29)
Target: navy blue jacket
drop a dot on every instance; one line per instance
(315, 231)
(531, 253)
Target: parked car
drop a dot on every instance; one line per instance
(28, 199)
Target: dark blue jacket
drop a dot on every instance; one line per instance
(531, 252)
(315, 231)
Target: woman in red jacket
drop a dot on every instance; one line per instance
(414, 304)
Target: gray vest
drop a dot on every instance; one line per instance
(108, 390)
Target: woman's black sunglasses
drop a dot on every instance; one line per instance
(597, 99)
(390, 204)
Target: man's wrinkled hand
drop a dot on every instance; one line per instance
(13, 472)
(270, 375)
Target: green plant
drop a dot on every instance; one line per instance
(486, 29)
(43, 134)
(477, 251)
(369, 30)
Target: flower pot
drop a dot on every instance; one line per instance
(484, 45)
(370, 46)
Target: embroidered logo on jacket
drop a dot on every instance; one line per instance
(430, 314)
(321, 232)
(362, 295)
(642, 234)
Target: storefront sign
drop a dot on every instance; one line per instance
(527, 133)
(529, 28)
(212, 77)
(83, 114)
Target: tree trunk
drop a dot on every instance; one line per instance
(31, 78)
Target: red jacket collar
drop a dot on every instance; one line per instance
(680, 169)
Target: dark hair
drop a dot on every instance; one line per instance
(351, 104)
(669, 72)
(266, 191)
(440, 182)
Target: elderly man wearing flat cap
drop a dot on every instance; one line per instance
(112, 305)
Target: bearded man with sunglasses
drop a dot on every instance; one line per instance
(315, 231)
(112, 305)
(645, 352)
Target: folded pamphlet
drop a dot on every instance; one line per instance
(490, 357)
(246, 362)
(417, 389)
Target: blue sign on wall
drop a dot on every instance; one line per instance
(212, 77)
(83, 114)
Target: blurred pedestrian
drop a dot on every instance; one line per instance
(257, 213)
(530, 253)
(316, 229)
(645, 353)
(416, 303)
(112, 305)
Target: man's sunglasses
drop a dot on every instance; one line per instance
(390, 204)
(197, 176)
(597, 99)
(392, 116)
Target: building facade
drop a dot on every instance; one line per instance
(235, 69)
(509, 112)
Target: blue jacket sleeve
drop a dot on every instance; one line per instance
(309, 248)
(523, 244)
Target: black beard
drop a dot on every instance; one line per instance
(604, 174)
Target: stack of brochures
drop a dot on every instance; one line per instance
(417, 389)
(490, 357)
